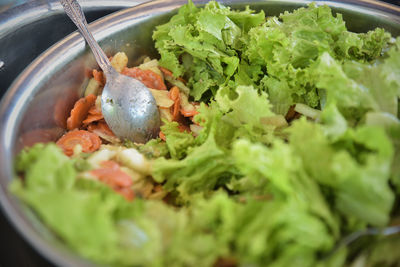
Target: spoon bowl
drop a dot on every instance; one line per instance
(128, 106)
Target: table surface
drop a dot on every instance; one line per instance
(14, 251)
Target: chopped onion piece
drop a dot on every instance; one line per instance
(185, 102)
(161, 97)
(108, 138)
(105, 153)
(165, 114)
(151, 65)
(307, 111)
(119, 61)
(93, 87)
(277, 121)
(131, 158)
(98, 102)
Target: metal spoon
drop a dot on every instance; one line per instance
(373, 231)
(128, 106)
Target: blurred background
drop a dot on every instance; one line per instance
(13, 250)
(4, 4)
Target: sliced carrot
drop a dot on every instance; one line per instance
(174, 95)
(101, 127)
(147, 77)
(92, 118)
(166, 72)
(111, 174)
(162, 136)
(99, 76)
(96, 141)
(94, 110)
(89, 142)
(80, 111)
(189, 113)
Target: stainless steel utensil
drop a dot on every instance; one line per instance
(373, 231)
(128, 106)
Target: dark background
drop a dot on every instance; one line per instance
(14, 251)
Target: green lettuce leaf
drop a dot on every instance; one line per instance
(201, 170)
(177, 142)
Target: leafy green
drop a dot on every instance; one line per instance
(177, 142)
(201, 170)
(207, 38)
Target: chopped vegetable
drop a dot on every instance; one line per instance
(174, 95)
(101, 129)
(88, 141)
(93, 87)
(111, 174)
(99, 77)
(307, 111)
(119, 61)
(92, 118)
(152, 65)
(162, 98)
(187, 109)
(147, 77)
(80, 112)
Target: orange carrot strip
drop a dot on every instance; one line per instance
(189, 113)
(96, 141)
(175, 96)
(166, 72)
(92, 118)
(162, 136)
(80, 111)
(89, 142)
(111, 174)
(99, 76)
(101, 127)
(147, 77)
(94, 111)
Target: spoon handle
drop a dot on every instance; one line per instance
(75, 13)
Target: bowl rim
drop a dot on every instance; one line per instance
(22, 88)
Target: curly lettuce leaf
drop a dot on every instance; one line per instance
(357, 165)
(207, 37)
(177, 141)
(201, 170)
(66, 204)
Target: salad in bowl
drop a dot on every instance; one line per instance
(280, 136)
